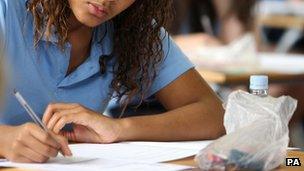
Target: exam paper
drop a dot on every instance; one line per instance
(282, 63)
(147, 152)
(120, 156)
(194, 145)
(97, 165)
(150, 167)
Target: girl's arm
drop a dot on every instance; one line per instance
(194, 112)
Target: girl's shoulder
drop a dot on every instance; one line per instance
(15, 5)
(15, 10)
(3, 5)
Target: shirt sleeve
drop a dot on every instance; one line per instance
(2, 46)
(3, 7)
(174, 64)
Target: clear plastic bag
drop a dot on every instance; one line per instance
(257, 134)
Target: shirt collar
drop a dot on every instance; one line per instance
(102, 34)
(102, 45)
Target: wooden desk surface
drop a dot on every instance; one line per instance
(222, 78)
(190, 162)
(281, 21)
(296, 154)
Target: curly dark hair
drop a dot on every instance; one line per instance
(137, 41)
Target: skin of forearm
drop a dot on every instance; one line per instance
(195, 121)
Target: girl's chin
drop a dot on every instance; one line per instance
(92, 22)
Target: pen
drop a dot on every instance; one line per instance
(206, 23)
(31, 112)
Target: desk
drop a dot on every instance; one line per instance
(190, 162)
(222, 78)
(281, 68)
(281, 21)
(297, 154)
(292, 23)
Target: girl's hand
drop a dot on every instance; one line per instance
(88, 126)
(29, 143)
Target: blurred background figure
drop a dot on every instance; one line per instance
(277, 26)
(223, 20)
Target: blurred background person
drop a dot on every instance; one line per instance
(222, 20)
(235, 18)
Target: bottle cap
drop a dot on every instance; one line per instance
(259, 82)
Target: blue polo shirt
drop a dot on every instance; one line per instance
(39, 73)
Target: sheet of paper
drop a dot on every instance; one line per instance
(131, 152)
(150, 167)
(99, 164)
(120, 156)
(194, 145)
(265, 63)
(147, 152)
(295, 8)
(70, 160)
(73, 163)
(282, 63)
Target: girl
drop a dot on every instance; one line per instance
(1, 66)
(77, 54)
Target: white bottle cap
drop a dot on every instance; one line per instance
(259, 82)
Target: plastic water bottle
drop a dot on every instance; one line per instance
(259, 85)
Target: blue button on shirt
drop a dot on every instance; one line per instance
(39, 73)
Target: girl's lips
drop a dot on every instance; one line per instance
(97, 10)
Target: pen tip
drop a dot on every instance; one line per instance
(15, 91)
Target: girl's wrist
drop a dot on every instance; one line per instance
(125, 131)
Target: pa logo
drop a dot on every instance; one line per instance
(293, 162)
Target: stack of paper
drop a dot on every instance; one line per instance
(281, 63)
(280, 8)
(240, 54)
(95, 165)
(120, 156)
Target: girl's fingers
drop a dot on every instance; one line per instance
(40, 148)
(82, 134)
(22, 159)
(43, 137)
(65, 149)
(66, 119)
(31, 155)
(54, 107)
(69, 135)
(56, 117)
